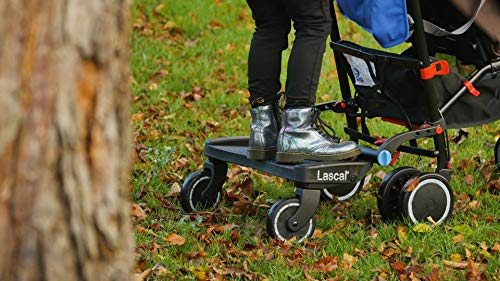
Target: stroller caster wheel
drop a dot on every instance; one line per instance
(343, 193)
(431, 197)
(277, 221)
(497, 153)
(389, 190)
(199, 193)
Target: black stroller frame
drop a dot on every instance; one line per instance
(404, 192)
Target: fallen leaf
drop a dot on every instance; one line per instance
(422, 228)
(138, 214)
(412, 185)
(142, 276)
(398, 266)
(160, 269)
(433, 276)
(325, 265)
(458, 238)
(469, 179)
(175, 189)
(463, 229)
(496, 247)
(381, 174)
(456, 258)
(175, 239)
(455, 265)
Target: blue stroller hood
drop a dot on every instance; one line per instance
(387, 20)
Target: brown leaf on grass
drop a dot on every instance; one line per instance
(235, 236)
(473, 274)
(381, 174)
(494, 186)
(325, 265)
(348, 261)
(469, 179)
(221, 228)
(387, 253)
(175, 189)
(318, 234)
(175, 239)
(234, 271)
(455, 265)
(179, 164)
(305, 271)
(200, 254)
(412, 185)
(143, 275)
(486, 171)
(398, 266)
(458, 238)
(215, 24)
(496, 247)
(433, 276)
(138, 214)
(141, 266)
(160, 269)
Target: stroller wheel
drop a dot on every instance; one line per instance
(497, 153)
(389, 190)
(426, 196)
(278, 217)
(343, 193)
(198, 192)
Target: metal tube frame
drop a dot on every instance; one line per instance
(420, 44)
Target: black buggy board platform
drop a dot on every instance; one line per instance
(308, 174)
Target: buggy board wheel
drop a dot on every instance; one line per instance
(430, 196)
(277, 219)
(497, 153)
(198, 192)
(389, 190)
(345, 192)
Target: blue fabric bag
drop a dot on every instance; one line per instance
(387, 20)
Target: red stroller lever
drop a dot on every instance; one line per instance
(440, 67)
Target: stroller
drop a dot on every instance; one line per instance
(413, 89)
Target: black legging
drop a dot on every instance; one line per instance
(312, 24)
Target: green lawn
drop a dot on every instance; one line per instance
(189, 83)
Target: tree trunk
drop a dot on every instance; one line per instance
(64, 140)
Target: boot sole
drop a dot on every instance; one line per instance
(297, 157)
(261, 154)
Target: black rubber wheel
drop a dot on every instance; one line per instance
(389, 190)
(497, 153)
(431, 197)
(345, 192)
(277, 219)
(198, 192)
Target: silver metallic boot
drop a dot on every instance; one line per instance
(265, 126)
(303, 137)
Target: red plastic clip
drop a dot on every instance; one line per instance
(471, 88)
(395, 157)
(436, 68)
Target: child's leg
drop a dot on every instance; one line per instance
(269, 40)
(312, 23)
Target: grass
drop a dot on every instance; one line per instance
(189, 83)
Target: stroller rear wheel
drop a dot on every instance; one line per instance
(389, 190)
(277, 220)
(198, 192)
(427, 196)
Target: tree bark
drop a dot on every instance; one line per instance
(64, 140)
